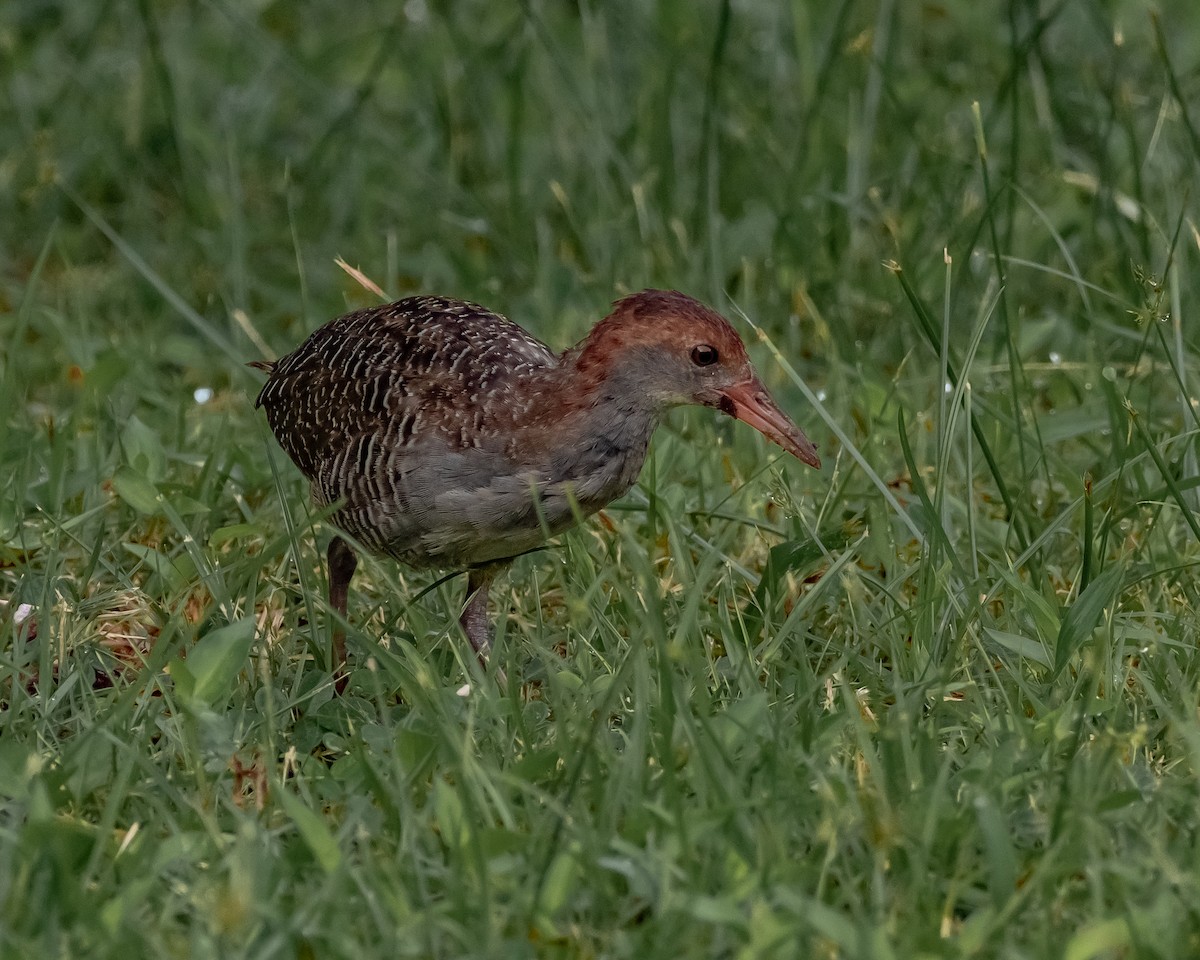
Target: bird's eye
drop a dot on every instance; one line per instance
(704, 355)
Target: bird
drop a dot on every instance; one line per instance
(445, 436)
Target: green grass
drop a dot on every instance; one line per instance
(941, 699)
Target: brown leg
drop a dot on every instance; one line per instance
(342, 563)
(474, 620)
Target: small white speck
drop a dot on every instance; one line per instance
(948, 386)
(23, 613)
(463, 691)
(821, 395)
(1055, 358)
(203, 394)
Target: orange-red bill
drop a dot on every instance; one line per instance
(750, 403)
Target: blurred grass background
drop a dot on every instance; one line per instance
(941, 699)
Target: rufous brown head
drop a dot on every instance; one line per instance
(678, 351)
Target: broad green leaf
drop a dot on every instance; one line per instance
(19, 763)
(136, 490)
(1045, 615)
(214, 662)
(1119, 800)
(143, 450)
(174, 572)
(743, 721)
(414, 749)
(721, 911)
(832, 924)
(559, 886)
(187, 506)
(451, 820)
(1103, 938)
(1066, 424)
(1024, 646)
(313, 831)
(1085, 613)
(235, 531)
(999, 858)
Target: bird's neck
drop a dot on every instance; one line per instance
(593, 434)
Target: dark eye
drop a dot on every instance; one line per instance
(704, 355)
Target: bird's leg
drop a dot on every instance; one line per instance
(474, 620)
(342, 563)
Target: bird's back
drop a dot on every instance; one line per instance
(421, 370)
